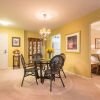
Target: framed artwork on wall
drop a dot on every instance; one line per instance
(15, 41)
(97, 43)
(73, 42)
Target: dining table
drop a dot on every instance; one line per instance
(42, 65)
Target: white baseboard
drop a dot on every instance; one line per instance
(78, 75)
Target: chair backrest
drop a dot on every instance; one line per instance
(23, 61)
(64, 57)
(56, 63)
(37, 57)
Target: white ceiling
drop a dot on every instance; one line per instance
(25, 14)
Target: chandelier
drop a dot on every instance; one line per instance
(44, 32)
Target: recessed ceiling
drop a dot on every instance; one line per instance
(26, 14)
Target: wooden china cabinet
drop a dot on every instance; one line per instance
(34, 46)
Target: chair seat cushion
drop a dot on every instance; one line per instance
(48, 72)
(30, 69)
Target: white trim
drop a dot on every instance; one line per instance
(84, 77)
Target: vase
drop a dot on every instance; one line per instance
(49, 55)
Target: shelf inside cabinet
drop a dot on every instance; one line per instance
(34, 46)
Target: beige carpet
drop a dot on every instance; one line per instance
(76, 88)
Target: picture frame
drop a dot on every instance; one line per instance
(97, 43)
(15, 41)
(73, 42)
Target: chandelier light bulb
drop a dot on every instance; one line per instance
(44, 32)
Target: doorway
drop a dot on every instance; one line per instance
(95, 48)
(56, 44)
(3, 50)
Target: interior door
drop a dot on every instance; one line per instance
(3, 51)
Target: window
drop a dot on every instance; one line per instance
(56, 39)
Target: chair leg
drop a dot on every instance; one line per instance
(61, 80)
(53, 77)
(51, 84)
(64, 73)
(22, 81)
(97, 70)
(37, 75)
(36, 80)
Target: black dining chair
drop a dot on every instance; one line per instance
(37, 57)
(29, 69)
(61, 69)
(54, 71)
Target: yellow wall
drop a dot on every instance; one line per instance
(78, 63)
(13, 33)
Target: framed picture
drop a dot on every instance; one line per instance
(97, 43)
(73, 42)
(16, 41)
